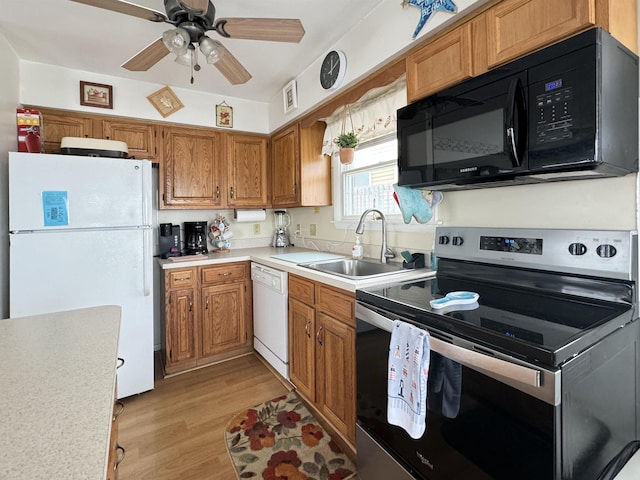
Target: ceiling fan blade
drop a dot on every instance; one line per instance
(147, 57)
(270, 29)
(127, 8)
(202, 5)
(231, 68)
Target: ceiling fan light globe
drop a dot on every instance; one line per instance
(184, 58)
(176, 40)
(210, 49)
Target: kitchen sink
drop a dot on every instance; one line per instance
(355, 269)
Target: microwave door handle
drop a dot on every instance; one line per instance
(515, 92)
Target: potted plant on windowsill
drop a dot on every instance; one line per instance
(347, 142)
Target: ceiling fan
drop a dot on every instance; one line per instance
(192, 19)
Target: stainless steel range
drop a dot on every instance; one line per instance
(537, 381)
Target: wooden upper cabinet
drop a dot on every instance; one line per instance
(439, 64)
(518, 27)
(301, 174)
(191, 172)
(285, 165)
(140, 137)
(56, 126)
(247, 174)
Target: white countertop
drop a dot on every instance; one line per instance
(57, 381)
(264, 256)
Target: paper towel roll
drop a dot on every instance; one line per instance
(243, 216)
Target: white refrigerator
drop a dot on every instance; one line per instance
(80, 236)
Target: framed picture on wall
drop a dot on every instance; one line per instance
(165, 101)
(96, 95)
(224, 115)
(290, 96)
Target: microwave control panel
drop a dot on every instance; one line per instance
(554, 113)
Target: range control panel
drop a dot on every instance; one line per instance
(602, 253)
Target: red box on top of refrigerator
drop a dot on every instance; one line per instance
(30, 137)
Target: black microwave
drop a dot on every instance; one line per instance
(567, 111)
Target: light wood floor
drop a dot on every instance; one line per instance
(176, 431)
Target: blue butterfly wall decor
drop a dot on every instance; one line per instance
(428, 8)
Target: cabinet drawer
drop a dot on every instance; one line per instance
(338, 304)
(301, 289)
(223, 273)
(181, 278)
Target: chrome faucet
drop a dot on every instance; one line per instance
(385, 252)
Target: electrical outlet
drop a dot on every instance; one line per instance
(312, 229)
(298, 229)
(256, 229)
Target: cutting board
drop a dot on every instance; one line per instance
(306, 257)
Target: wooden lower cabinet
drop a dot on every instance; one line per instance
(302, 327)
(116, 452)
(222, 314)
(208, 315)
(322, 350)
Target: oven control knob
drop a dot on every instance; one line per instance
(577, 249)
(443, 240)
(457, 241)
(606, 251)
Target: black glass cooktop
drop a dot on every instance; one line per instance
(532, 323)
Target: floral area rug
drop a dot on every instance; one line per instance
(280, 440)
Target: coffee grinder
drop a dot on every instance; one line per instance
(169, 240)
(281, 221)
(196, 237)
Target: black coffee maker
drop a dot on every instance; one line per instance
(196, 237)
(169, 240)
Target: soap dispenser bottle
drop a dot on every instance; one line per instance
(356, 250)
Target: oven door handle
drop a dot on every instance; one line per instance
(486, 363)
(474, 360)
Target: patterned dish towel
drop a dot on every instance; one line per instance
(407, 381)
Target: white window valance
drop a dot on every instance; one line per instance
(372, 116)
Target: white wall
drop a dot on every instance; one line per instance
(594, 203)
(9, 93)
(57, 87)
(384, 34)
(381, 36)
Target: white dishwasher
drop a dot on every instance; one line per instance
(270, 316)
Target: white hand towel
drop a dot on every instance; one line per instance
(407, 381)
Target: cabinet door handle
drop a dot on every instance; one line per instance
(231, 192)
(206, 304)
(190, 304)
(226, 274)
(117, 413)
(122, 451)
(318, 337)
(217, 191)
(306, 328)
(294, 189)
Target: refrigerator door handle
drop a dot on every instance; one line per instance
(146, 262)
(146, 192)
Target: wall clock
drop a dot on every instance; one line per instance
(334, 66)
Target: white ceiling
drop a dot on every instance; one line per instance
(72, 35)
